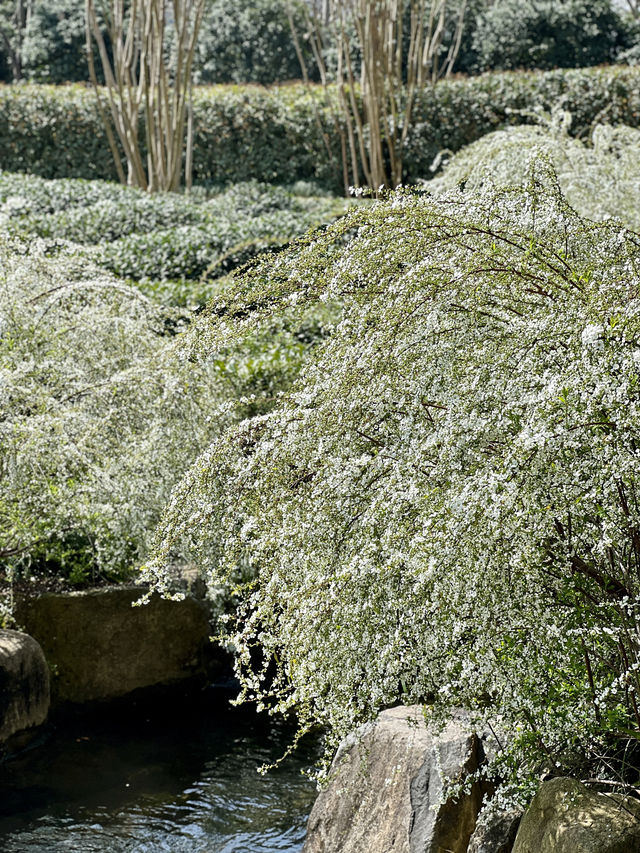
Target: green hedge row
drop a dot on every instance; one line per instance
(249, 132)
(165, 242)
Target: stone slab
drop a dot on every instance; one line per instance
(99, 646)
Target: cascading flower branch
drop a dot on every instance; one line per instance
(600, 180)
(444, 508)
(98, 419)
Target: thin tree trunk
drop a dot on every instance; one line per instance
(378, 114)
(143, 84)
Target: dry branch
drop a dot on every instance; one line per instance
(377, 99)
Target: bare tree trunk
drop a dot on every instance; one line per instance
(13, 34)
(634, 7)
(16, 59)
(147, 79)
(377, 102)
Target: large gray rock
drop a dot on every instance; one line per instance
(497, 834)
(99, 647)
(387, 783)
(24, 683)
(566, 817)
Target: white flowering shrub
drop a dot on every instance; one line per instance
(443, 508)
(98, 417)
(600, 180)
(97, 421)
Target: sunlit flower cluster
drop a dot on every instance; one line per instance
(600, 177)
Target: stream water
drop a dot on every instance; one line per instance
(157, 775)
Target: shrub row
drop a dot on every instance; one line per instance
(272, 134)
(161, 237)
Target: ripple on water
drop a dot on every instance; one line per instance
(156, 785)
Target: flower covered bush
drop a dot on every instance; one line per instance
(96, 422)
(599, 178)
(443, 507)
(98, 417)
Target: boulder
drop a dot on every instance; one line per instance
(496, 834)
(386, 788)
(566, 817)
(99, 646)
(24, 683)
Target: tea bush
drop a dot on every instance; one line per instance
(444, 506)
(162, 237)
(190, 251)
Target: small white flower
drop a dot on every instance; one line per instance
(592, 336)
(15, 204)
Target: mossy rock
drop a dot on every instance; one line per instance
(24, 683)
(566, 817)
(99, 646)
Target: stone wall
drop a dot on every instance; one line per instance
(99, 646)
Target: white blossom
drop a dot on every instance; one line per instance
(440, 508)
(592, 336)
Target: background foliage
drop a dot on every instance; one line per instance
(50, 44)
(543, 34)
(272, 135)
(54, 50)
(249, 41)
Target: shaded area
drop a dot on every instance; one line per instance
(157, 774)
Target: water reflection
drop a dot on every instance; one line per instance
(157, 776)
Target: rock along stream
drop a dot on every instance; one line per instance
(157, 775)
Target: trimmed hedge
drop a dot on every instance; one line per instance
(249, 132)
(162, 241)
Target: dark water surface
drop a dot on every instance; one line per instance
(160, 775)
